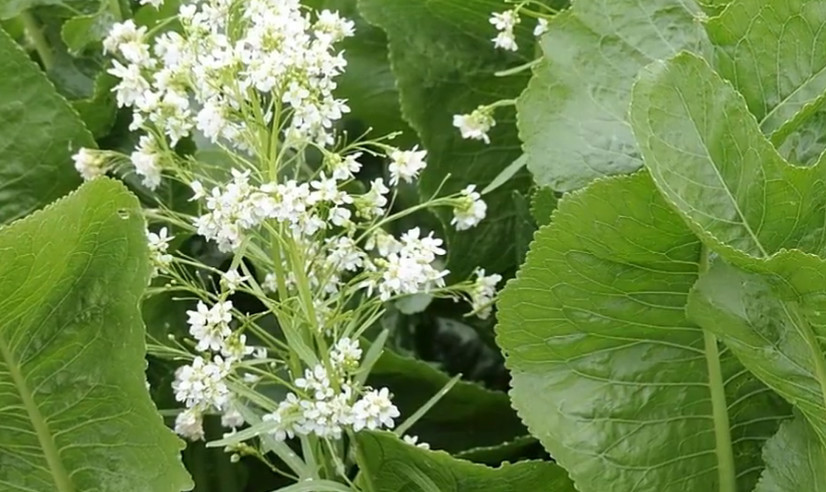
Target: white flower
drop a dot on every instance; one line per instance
(372, 203)
(504, 22)
(269, 284)
(470, 210)
(198, 190)
(346, 354)
(344, 254)
(201, 384)
(374, 410)
(339, 216)
(541, 27)
(406, 164)
(331, 28)
(190, 424)
(235, 347)
(232, 280)
(414, 441)
(506, 41)
(127, 39)
(210, 326)
(89, 163)
(158, 244)
(231, 417)
(475, 125)
(132, 86)
(316, 382)
(407, 268)
(482, 292)
(146, 161)
(344, 168)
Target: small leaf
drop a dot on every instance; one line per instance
(83, 30)
(39, 132)
(389, 464)
(543, 204)
(75, 410)
(794, 460)
(99, 111)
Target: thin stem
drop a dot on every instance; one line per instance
(722, 428)
(35, 35)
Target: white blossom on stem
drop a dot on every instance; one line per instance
(475, 125)
(405, 165)
(504, 22)
(483, 291)
(89, 163)
(470, 210)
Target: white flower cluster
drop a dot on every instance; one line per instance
(483, 292)
(223, 67)
(327, 403)
(504, 22)
(158, 245)
(256, 78)
(408, 264)
(202, 385)
(89, 163)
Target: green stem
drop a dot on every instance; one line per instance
(722, 428)
(114, 8)
(35, 34)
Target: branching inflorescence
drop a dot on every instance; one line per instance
(255, 79)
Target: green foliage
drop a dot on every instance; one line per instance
(607, 371)
(444, 65)
(673, 317)
(461, 419)
(710, 160)
(773, 323)
(793, 460)
(572, 117)
(76, 414)
(39, 132)
(390, 465)
(755, 40)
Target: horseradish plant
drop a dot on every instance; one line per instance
(256, 79)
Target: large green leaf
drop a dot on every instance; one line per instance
(75, 414)
(794, 460)
(39, 132)
(572, 117)
(390, 465)
(775, 54)
(708, 157)
(461, 420)
(621, 389)
(444, 62)
(775, 322)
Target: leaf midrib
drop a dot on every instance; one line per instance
(44, 436)
(724, 184)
